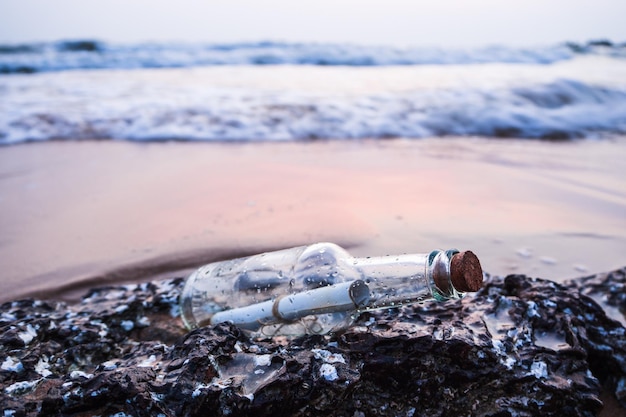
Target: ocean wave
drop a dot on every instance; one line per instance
(559, 109)
(92, 54)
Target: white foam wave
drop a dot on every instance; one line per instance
(72, 55)
(296, 103)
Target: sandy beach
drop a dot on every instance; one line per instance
(83, 214)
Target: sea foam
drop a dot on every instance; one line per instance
(580, 97)
(91, 54)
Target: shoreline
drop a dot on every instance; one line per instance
(82, 214)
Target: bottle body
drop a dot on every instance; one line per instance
(315, 289)
(238, 283)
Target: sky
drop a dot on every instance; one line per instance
(384, 22)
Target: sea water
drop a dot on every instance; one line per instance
(281, 92)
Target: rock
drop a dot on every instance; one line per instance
(601, 42)
(518, 347)
(79, 46)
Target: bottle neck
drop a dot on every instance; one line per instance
(391, 266)
(402, 279)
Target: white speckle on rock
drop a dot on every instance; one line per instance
(121, 308)
(198, 390)
(509, 362)
(439, 334)
(127, 325)
(263, 360)
(43, 367)
(104, 330)
(157, 397)
(109, 365)
(532, 310)
(498, 346)
(143, 322)
(221, 383)
(328, 356)
(74, 375)
(539, 370)
(175, 310)
(28, 335)
(20, 387)
(328, 372)
(12, 364)
(9, 317)
(148, 362)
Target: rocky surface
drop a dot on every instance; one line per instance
(519, 347)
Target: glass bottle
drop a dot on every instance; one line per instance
(320, 288)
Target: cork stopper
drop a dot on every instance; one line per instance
(466, 273)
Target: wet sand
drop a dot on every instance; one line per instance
(81, 214)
